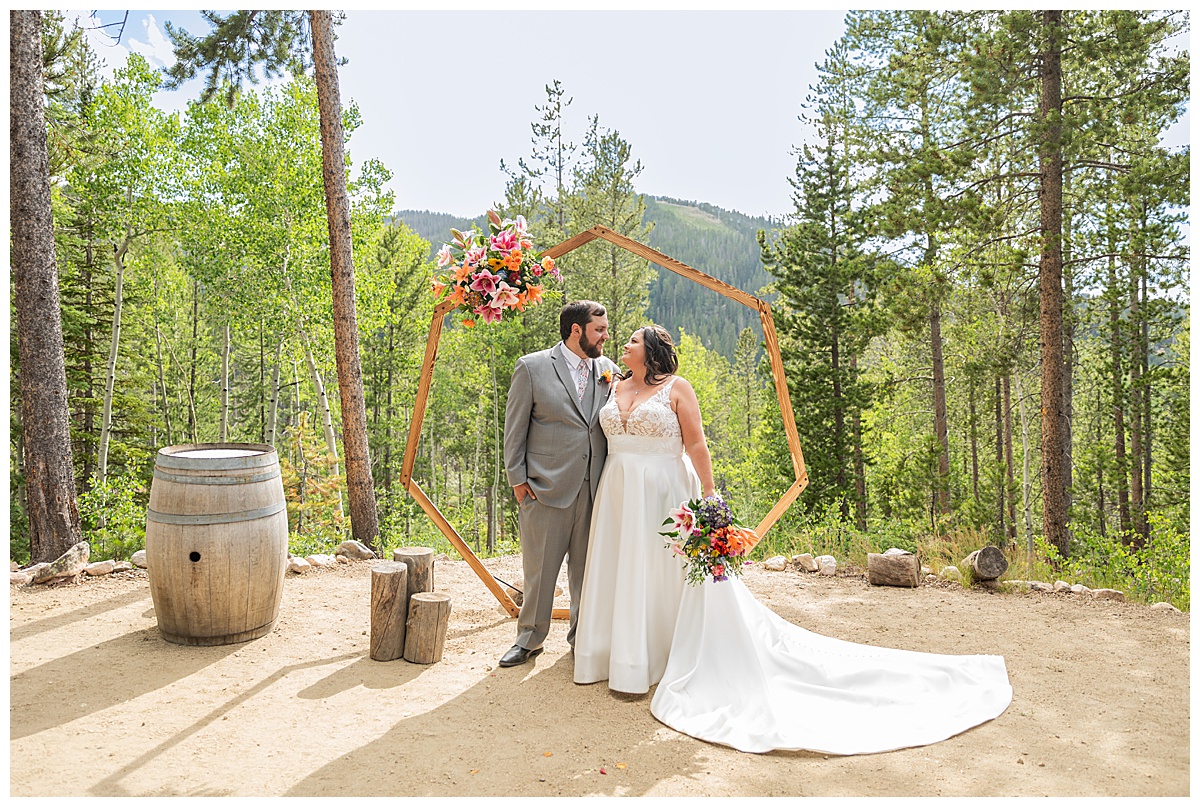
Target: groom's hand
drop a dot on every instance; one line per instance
(521, 491)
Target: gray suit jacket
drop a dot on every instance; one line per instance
(549, 441)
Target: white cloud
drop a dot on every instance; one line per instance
(112, 54)
(156, 49)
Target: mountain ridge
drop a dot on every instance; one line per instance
(719, 242)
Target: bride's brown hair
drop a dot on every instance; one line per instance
(661, 360)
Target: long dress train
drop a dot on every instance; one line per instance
(742, 676)
(729, 670)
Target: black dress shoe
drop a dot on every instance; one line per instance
(517, 655)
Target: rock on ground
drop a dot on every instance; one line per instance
(68, 564)
(1108, 594)
(139, 559)
(356, 550)
(101, 567)
(806, 562)
(775, 564)
(951, 573)
(298, 565)
(827, 565)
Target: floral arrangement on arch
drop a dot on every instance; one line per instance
(493, 273)
(706, 535)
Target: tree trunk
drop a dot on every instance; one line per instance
(1009, 473)
(192, 419)
(110, 373)
(326, 415)
(262, 383)
(1100, 505)
(425, 633)
(389, 411)
(1118, 400)
(1050, 159)
(1002, 493)
(360, 486)
(88, 409)
(1137, 458)
(420, 563)
(940, 426)
(45, 417)
(162, 376)
(839, 416)
(1068, 405)
(974, 423)
(223, 432)
(389, 610)
(860, 476)
(273, 408)
(1147, 429)
(1026, 474)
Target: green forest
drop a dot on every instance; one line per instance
(982, 299)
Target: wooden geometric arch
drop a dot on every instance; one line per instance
(770, 339)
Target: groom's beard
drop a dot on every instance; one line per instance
(590, 349)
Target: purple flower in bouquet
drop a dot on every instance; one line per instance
(713, 512)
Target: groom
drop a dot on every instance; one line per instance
(554, 450)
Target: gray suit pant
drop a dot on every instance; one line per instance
(548, 534)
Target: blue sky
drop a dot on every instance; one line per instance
(708, 100)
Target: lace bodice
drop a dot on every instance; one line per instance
(652, 417)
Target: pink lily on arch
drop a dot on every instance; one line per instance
(484, 281)
(443, 256)
(474, 255)
(505, 296)
(505, 241)
(489, 313)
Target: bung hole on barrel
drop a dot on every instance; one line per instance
(195, 556)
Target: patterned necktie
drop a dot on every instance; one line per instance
(583, 377)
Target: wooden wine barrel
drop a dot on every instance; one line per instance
(216, 542)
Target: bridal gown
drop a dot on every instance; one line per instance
(631, 582)
(729, 670)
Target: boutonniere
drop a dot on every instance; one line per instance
(606, 376)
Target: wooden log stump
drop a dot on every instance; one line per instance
(987, 563)
(428, 618)
(894, 568)
(389, 610)
(419, 560)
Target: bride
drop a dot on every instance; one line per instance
(728, 669)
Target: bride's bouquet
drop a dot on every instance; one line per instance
(706, 535)
(493, 273)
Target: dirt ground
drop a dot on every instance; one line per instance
(100, 705)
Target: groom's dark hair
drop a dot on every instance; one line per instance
(580, 313)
